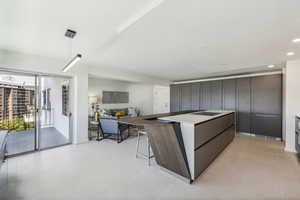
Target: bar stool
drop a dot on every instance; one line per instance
(147, 156)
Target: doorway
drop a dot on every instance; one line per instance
(34, 111)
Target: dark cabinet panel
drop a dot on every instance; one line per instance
(229, 94)
(266, 124)
(243, 95)
(243, 104)
(186, 97)
(216, 95)
(256, 100)
(175, 103)
(205, 95)
(266, 94)
(244, 122)
(195, 96)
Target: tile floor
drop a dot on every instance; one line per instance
(23, 141)
(250, 168)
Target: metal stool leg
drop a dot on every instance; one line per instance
(138, 144)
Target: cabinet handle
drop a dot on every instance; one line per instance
(266, 115)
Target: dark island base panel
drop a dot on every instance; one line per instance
(168, 151)
(209, 152)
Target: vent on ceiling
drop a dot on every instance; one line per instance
(70, 33)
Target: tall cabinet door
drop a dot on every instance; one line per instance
(243, 89)
(216, 95)
(229, 94)
(266, 105)
(205, 95)
(195, 96)
(186, 97)
(175, 94)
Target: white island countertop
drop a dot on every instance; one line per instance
(193, 119)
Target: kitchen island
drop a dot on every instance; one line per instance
(186, 143)
(204, 136)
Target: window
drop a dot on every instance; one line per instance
(65, 99)
(46, 99)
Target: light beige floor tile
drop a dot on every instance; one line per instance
(249, 168)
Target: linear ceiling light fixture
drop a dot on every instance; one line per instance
(296, 40)
(70, 34)
(72, 63)
(290, 53)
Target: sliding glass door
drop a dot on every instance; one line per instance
(34, 111)
(54, 112)
(18, 112)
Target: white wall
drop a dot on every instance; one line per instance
(292, 102)
(140, 95)
(97, 86)
(161, 99)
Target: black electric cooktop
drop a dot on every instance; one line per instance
(206, 113)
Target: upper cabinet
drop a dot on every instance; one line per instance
(205, 95)
(216, 95)
(195, 96)
(243, 88)
(266, 94)
(256, 100)
(175, 96)
(186, 97)
(243, 104)
(229, 94)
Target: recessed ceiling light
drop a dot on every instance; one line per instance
(296, 40)
(271, 66)
(290, 53)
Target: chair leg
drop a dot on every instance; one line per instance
(138, 144)
(121, 137)
(149, 157)
(118, 138)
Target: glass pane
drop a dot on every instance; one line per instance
(54, 112)
(17, 112)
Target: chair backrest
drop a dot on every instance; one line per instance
(109, 125)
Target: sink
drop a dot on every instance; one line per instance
(206, 113)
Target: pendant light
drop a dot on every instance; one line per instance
(71, 34)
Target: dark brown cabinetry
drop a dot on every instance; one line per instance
(266, 124)
(205, 95)
(266, 105)
(216, 95)
(195, 96)
(229, 94)
(256, 100)
(186, 97)
(243, 108)
(175, 95)
(266, 94)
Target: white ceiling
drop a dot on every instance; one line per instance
(173, 40)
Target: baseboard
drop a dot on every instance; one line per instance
(291, 150)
